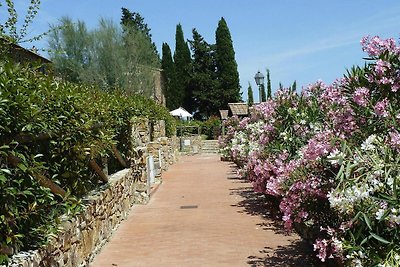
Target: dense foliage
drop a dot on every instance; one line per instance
(330, 157)
(206, 80)
(168, 67)
(51, 128)
(269, 89)
(182, 62)
(227, 72)
(250, 98)
(111, 56)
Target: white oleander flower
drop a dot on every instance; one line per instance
(368, 143)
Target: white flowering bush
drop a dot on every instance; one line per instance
(366, 197)
(329, 156)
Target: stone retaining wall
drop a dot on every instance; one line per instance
(190, 144)
(82, 236)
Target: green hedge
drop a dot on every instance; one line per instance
(82, 122)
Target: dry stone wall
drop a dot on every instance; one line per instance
(83, 235)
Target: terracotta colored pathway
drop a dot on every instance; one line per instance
(202, 215)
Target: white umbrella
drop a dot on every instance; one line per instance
(181, 112)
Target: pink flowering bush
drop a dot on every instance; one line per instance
(329, 156)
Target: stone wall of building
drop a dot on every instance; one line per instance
(82, 236)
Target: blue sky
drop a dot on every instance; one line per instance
(303, 40)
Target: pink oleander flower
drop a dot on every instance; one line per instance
(343, 121)
(266, 109)
(332, 95)
(381, 108)
(394, 140)
(395, 87)
(314, 88)
(385, 80)
(294, 204)
(321, 245)
(361, 96)
(381, 67)
(317, 146)
(375, 46)
(244, 122)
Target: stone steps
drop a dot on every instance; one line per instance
(209, 146)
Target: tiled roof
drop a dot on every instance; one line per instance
(239, 109)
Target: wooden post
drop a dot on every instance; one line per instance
(43, 180)
(119, 156)
(6, 250)
(93, 164)
(46, 182)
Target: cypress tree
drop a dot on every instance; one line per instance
(227, 72)
(203, 83)
(263, 95)
(294, 85)
(250, 98)
(269, 90)
(168, 67)
(182, 62)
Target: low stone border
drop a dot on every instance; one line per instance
(83, 235)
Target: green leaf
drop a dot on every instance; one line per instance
(22, 167)
(6, 171)
(380, 239)
(367, 221)
(365, 240)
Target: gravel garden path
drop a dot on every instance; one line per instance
(203, 214)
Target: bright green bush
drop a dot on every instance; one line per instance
(83, 124)
(212, 127)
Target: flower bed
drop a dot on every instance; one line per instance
(330, 156)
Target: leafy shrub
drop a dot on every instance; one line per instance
(50, 129)
(212, 127)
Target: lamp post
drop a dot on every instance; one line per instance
(259, 77)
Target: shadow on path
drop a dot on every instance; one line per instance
(298, 253)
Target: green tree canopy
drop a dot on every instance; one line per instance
(182, 62)
(250, 98)
(269, 90)
(106, 56)
(227, 72)
(204, 84)
(133, 21)
(167, 64)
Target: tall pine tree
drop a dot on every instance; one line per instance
(167, 64)
(227, 72)
(182, 62)
(203, 83)
(250, 98)
(294, 86)
(269, 90)
(263, 95)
